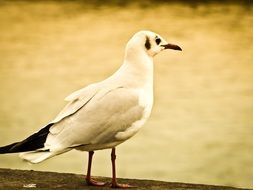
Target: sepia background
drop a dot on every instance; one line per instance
(201, 127)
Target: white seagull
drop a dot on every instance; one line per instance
(104, 114)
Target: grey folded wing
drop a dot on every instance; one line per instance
(104, 114)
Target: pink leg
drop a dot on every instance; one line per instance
(88, 178)
(114, 183)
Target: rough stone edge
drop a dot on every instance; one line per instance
(28, 179)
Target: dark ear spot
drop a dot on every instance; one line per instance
(147, 43)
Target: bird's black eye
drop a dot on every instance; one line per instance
(158, 40)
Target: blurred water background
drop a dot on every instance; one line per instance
(201, 126)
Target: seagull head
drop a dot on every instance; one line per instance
(149, 42)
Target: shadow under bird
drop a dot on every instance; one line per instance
(104, 114)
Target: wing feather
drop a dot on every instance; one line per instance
(106, 114)
(77, 100)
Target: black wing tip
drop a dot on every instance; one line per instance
(33, 142)
(8, 148)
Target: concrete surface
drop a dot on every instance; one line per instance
(25, 179)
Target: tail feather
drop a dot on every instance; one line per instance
(33, 142)
(40, 155)
(36, 157)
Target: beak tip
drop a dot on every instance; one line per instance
(178, 48)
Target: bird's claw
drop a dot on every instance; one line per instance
(93, 182)
(121, 185)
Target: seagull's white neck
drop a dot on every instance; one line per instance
(137, 69)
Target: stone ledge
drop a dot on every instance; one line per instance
(25, 179)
